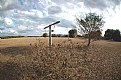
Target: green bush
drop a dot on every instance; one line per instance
(45, 35)
(73, 33)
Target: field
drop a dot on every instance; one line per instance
(31, 59)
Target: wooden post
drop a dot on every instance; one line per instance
(50, 35)
(68, 35)
(50, 38)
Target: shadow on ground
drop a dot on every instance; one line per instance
(10, 71)
(13, 51)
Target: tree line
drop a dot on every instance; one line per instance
(111, 34)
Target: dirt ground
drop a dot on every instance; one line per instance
(29, 59)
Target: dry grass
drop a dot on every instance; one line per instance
(67, 60)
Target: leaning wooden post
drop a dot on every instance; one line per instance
(50, 35)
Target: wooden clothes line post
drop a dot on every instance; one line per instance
(50, 35)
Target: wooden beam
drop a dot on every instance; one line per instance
(52, 24)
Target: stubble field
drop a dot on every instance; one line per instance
(31, 59)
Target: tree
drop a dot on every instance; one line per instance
(116, 35)
(89, 24)
(111, 34)
(72, 33)
(45, 35)
(96, 35)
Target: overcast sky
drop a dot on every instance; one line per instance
(29, 17)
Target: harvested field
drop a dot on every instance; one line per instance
(31, 59)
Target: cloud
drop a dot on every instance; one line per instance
(99, 4)
(8, 22)
(8, 5)
(7, 32)
(61, 1)
(54, 9)
(65, 23)
(102, 4)
(44, 4)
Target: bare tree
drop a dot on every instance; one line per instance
(91, 23)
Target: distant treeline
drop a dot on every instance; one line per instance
(58, 35)
(53, 35)
(6, 37)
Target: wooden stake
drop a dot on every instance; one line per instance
(50, 38)
(50, 35)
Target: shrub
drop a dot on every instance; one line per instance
(45, 35)
(72, 33)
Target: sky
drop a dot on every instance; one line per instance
(29, 17)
